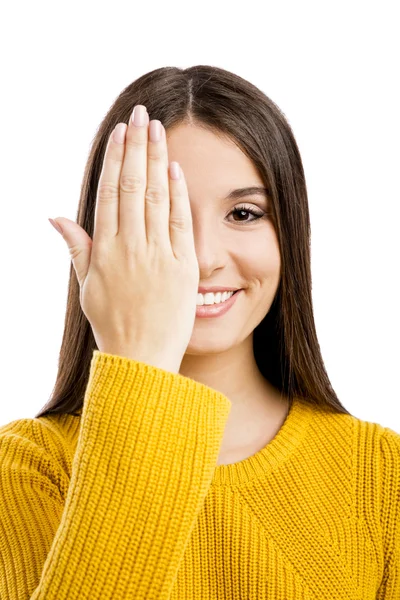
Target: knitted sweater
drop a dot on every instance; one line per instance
(125, 501)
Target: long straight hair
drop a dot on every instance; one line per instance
(285, 343)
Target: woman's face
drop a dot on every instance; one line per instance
(233, 250)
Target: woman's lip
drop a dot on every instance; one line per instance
(216, 310)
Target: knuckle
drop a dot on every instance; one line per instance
(155, 195)
(74, 251)
(155, 154)
(180, 222)
(135, 141)
(100, 256)
(129, 252)
(131, 183)
(107, 192)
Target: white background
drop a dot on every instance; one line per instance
(333, 69)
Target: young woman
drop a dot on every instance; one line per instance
(193, 446)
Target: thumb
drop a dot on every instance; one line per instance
(79, 245)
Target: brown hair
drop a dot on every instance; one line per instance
(285, 343)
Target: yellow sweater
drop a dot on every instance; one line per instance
(126, 501)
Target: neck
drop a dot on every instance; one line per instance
(258, 408)
(235, 374)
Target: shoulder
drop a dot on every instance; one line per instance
(361, 434)
(389, 468)
(391, 440)
(375, 461)
(369, 449)
(372, 453)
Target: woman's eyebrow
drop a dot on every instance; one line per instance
(247, 191)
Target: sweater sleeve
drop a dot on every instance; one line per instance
(144, 460)
(390, 514)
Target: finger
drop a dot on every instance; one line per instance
(107, 198)
(180, 220)
(157, 203)
(132, 184)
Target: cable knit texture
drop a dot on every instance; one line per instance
(125, 501)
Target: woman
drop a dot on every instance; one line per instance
(193, 446)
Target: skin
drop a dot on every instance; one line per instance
(239, 252)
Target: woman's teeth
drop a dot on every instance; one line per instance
(211, 298)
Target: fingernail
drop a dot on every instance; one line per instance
(56, 226)
(139, 115)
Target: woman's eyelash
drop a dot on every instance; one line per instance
(249, 209)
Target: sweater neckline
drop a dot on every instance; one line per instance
(275, 452)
